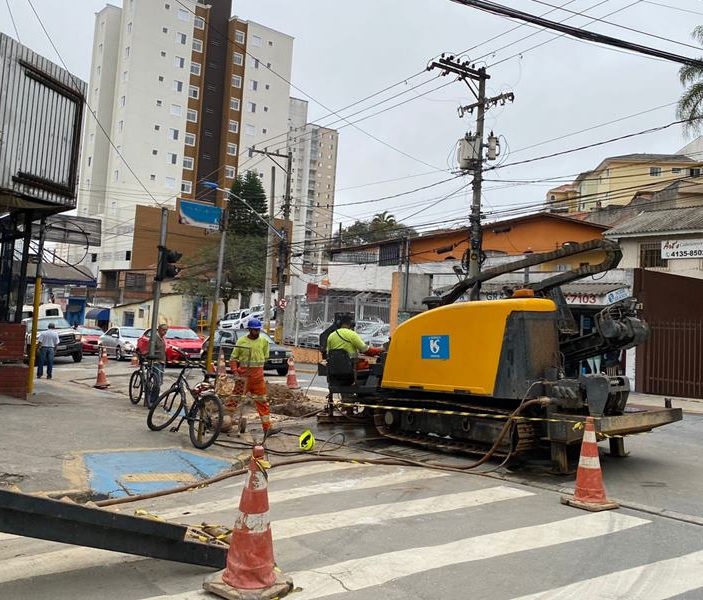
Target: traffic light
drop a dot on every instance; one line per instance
(166, 268)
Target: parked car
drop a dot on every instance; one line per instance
(379, 337)
(180, 342)
(120, 342)
(69, 338)
(227, 338)
(89, 338)
(233, 320)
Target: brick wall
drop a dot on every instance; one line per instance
(14, 380)
(11, 342)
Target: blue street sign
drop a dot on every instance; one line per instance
(199, 214)
(435, 347)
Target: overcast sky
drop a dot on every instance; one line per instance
(346, 51)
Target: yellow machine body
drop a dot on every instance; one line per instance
(457, 348)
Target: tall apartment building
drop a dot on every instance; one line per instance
(180, 91)
(314, 174)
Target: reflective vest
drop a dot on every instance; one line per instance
(251, 353)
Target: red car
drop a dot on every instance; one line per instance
(89, 338)
(177, 338)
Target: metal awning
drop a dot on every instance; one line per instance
(98, 314)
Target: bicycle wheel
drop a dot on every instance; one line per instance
(205, 420)
(152, 388)
(136, 387)
(165, 411)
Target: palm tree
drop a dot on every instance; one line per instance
(690, 106)
(384, 220)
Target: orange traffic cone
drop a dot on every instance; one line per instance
(292, 379)
(221, 365)
(589, 492)
(250, 574)
(101, 382)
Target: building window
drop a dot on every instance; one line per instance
(157, 127)
(154, 151)
(170, 182)
(100, 48)
(233, 126)
(177, 85)
(651, 256)
(179, 62)
(253, 85)
(190, 139)
(655, 171)
(186, 187)
(254, 62)
(192, 115)
(183, 15)
(237, 58)
(266, 108)
(197, 45)
(232, 149)
(239, 36)
(229, 172)
(120, 126)
(176, 110)
(256, 40)
(129, 27)
(236, 81)
(164, 29)
(167, 6)
(116, 175)
(188, 163)
(181, 38)
(90, 160)
(199, 23)
(695, 172)
(195, 68)
(270, 43)
(267, 86)
(234, 103)
(194, 91)
(123, 101)
(152, 177)
(172, 133)
(676, 170)
(250, 129)
(264, 130)
(251, 107)
(94, 257)
(163, 54)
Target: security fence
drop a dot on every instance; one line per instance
(305, 320)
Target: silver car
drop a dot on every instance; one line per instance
(120, 342)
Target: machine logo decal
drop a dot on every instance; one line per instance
(435, 347)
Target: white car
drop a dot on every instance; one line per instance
(233, 320)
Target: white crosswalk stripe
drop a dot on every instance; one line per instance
(653, 581)
(470, 520)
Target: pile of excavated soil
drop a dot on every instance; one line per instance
(293, 403)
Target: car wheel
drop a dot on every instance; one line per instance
(282, 371)
(77, 356)
(118, 353)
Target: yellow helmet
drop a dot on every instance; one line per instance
(306, 441)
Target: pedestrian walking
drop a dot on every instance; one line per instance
(247, 360)
(47, 341)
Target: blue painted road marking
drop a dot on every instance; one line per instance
(127, 473)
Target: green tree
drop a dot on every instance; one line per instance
(244, 259)
(690, 105)
(383, 226)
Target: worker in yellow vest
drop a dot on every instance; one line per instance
(247, 360)
(345, 338)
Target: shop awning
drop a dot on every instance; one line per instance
(98, 314)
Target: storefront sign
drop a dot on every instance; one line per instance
(682, 248)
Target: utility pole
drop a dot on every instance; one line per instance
(269, 256)
(157, 282)
(471, 155)
(283, 244)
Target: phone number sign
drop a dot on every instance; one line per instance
(682, 248)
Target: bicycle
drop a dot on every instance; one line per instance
(144, 382)
(204, 415)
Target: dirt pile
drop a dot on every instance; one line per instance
(293, 403)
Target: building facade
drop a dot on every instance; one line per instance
(180, 91)
(313, 185)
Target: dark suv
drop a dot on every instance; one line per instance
(69, 338)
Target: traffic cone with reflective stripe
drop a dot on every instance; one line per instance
(292, 378)
(101, 382)
(589, 492)
(250, 572)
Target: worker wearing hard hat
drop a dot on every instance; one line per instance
(247, 360)
(345, 338)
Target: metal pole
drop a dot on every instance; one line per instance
(475, 217)
(269, 259)
(283, 250)
(216, 294)
(157, 283)
(35, 313)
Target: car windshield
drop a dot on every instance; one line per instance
(181, 334)
(131, 332)
(90, 331)
(43, 323)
